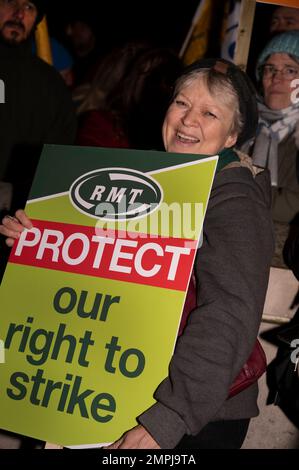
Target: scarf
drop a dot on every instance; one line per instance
(273, 127)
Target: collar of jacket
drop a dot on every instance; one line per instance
(226, 157)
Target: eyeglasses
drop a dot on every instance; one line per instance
(288, 73)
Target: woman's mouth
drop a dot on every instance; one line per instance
(186, 139)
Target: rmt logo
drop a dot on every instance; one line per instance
(116, 194)
(2, 92)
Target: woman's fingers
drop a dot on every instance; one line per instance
(9, 242)
(12, 227)
(22, 217)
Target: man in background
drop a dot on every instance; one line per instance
(37, 108)
(284, 19)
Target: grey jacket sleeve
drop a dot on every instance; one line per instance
(232, 270)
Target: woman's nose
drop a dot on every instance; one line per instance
(278, 75)
(191, 118)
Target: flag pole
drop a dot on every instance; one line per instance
(244, 33)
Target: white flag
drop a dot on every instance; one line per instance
(230, 29)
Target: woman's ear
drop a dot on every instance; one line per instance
(231, 140)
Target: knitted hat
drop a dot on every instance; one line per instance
(41, 9)
(284, 43)
(244, 89)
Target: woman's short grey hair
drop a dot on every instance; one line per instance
(218, 85)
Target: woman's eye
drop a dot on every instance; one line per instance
(209, 114)
(291, 71)
(180, 103)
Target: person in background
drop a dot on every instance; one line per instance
(125, 104)
(100, 121)
(276, 144)
(213, 109)
(81, 38)
(110, 71)
(284, 19)
(145, 95)
(38, 108)
(62, 61)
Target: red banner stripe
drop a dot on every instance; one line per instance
(124, 256)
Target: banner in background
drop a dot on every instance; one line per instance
(282, 3)
(196, 42)
(92, 295)
(230, 28)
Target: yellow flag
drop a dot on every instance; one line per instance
(43, 46)
(196, 42)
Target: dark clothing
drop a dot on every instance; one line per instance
(37, 110)
(232, 271)
(285, 196)
(218, 435)
(291, 247)
(84, 68)
(99, 128)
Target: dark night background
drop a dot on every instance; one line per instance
(161, 21)
(164, 22)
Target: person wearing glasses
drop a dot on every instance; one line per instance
(276, 145)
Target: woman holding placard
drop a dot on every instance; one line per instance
(213, 110)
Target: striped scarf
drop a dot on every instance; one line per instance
(273, 127)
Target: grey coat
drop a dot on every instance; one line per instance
(232, 270)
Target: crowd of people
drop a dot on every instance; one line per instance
(140, 96)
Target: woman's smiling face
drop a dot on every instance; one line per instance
(197, 122)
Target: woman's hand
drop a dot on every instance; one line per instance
(12, 227)
(136, 438)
